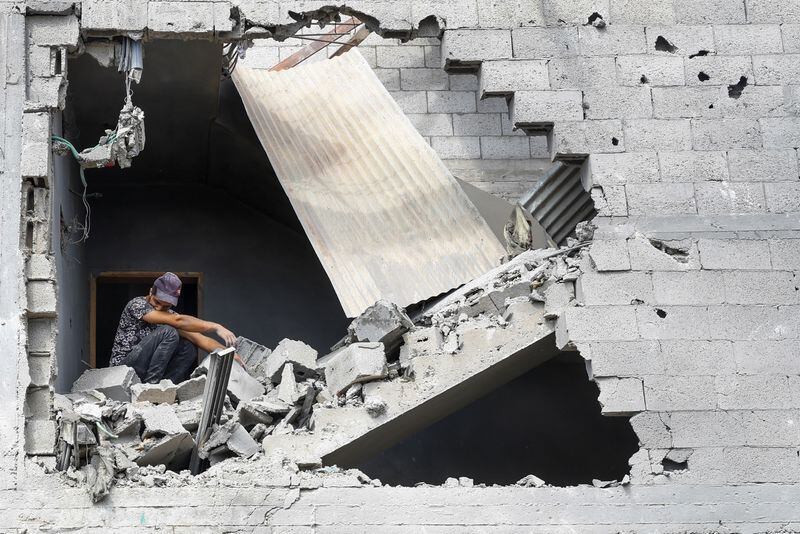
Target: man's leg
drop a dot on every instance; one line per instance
(182, 362)
(152, 355)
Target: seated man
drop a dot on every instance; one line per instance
(159, 343)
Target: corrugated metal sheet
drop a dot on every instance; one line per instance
(559, 200)
(385, 216)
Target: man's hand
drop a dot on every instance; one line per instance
(227, 336)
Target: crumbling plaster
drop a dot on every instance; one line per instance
(712, 349)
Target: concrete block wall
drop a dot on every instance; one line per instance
(690, 296)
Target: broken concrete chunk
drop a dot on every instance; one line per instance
(161, 393)
(251, 353)
(189, 413)
(302, 357)
(557, 297)
(241, 443)
(258, 431)
(171, 450)
(241, 385)
(375, 406)
(531, 481)
(190, 389)
(254, 413)
(160, 419)
(383, 322)
(114, 382)
(287, 390)
(418, 342)
(359, 362)
(269, 403)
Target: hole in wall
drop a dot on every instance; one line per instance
(29, 235)
(661, 313)
(614, 141)
(662, 45)
(643, 79)
(703, 77)
(547, 422)
(57, 59)
(735, 90)
(29, 202)
(699, 53)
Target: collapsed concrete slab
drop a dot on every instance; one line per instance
(383, 322)
(190, 389)
(114, 382)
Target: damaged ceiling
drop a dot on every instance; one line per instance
(383, 213)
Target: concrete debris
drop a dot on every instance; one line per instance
(189, 413)
(610, 483)
(359, 362)
(259, 431)
(419, 341)
(190, 389)
(160, 419)
(287, 389)
(113, 382)
(241, 443)
(100, 473)
(460, 482)
(118, 146)
(383, 322)
(252, 413)
(241, 385)
(162, 393)
(171, 450)
(252, 354)
(375, 406)
(300, 356)
(531, 481)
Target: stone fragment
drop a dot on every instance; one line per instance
(287, 389)
(160, 419)
(382, 322)
(359, 362)
(114, 382)
(241, 386)
(530, 481)
(161, 393)
(190, 389)
(302, 357)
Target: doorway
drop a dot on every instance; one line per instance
(111, 291)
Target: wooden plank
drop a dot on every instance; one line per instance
(309, 50)
(356, 40)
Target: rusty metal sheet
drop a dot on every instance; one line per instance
(383, 213)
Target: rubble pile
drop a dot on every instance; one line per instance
(113, 428)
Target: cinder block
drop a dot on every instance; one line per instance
(745, 322)
(493, 105)
(610, 255)
(612, 40)
(475, 45)
(688, 40)
(668, 393)
(356, 363)
(477, 124)
(390, 78)
(785, 254)
(625, 168)
(433, 56)
(539, 107)
(505, 148)
(791, 38)
(748, 254)
(709, 12)
(693, 166)
(693, 288)
(41, 335)
(652, 430)
(457, 147)
(46, 30)
(755, 102)
(114, 382)
(788, 322)
(400, 56)
(656, 70)
(781, 132)
(39, 267)
(181, 17)
(432, 124)
(48, 93)
(642, 12)
(609, 200)
(689, 102)
(661, 199)
(705, 429)
(618, 103)
(614, 288)
(424, 80)
(119, 15)
(722, 134)
(729, 197)
(509, 13)
(457, 13)
(583, 72)
(620, 396)
(40, 436)
(588, 137)
(748, 39)
(747, 392)
(761, 287)
(261, 57)
(538, 43)
(672, 322)
(35, 160)
(782, 197)
(463, 82)
(411, 101)
(540, 147)
(760, 11)
(38, 402)
(763, 165)
(599, 323)
(721, 70)
(41, 297)
(768, 428)
(506, 76)
(689, 357)
(765, 357)
(40, 368)
(574, 12)
(451, 102)
(626, 358)
(657, 134)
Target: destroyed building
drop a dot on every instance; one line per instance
(497, 266)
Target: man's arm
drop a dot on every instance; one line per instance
(187, 323)
(204, 342)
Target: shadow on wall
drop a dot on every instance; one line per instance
(546, 422)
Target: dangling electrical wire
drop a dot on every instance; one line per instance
(87, 220)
